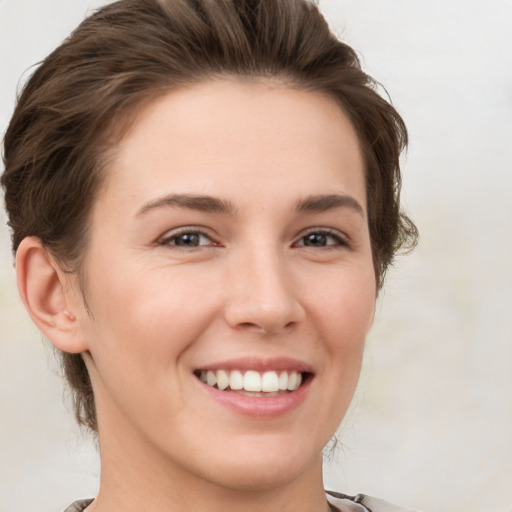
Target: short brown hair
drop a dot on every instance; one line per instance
(133, 51)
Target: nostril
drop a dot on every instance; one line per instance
(265, 328)
(250, 325)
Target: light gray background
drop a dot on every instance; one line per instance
(431, 423)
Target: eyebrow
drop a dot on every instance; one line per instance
(200, 203)
(209, 204)
(322, 203)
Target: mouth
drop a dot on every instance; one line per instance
(254, 383)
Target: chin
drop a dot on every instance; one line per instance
(264, 470)
(257, 479)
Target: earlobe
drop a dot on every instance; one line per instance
(42, 287)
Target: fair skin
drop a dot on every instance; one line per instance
(230, 236)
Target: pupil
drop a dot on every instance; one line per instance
(316, 239)
(189, 239)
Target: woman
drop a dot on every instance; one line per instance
(204, 198)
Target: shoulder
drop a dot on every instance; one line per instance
(78, 506)
(362, 503)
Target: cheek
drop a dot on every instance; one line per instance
(345, 308)
(147, 315)
(343, 313)
(140, 334)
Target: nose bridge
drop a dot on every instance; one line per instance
(262, 291)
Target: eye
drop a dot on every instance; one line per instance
(187, 239)
(321, 238)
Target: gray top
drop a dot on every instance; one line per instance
(78, 506)
(339, 502)
(362, 503)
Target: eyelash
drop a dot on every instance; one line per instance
(340, 240)
(187, 230)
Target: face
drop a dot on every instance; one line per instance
(229, 245)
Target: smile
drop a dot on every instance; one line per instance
(268, 383)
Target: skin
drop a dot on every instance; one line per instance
(255, 287)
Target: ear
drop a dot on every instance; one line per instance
(47, 293)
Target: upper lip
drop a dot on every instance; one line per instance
(260, 364)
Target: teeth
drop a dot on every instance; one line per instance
(253, 381)
(222, 379)
(211, 379)
(292, 381)
(283, 381)
(236, 380)
(269, 382)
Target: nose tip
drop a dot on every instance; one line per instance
(263, 299)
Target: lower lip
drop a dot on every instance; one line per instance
(259, 406)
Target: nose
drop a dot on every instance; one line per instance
(262, 294)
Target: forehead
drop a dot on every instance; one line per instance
(228, 132)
